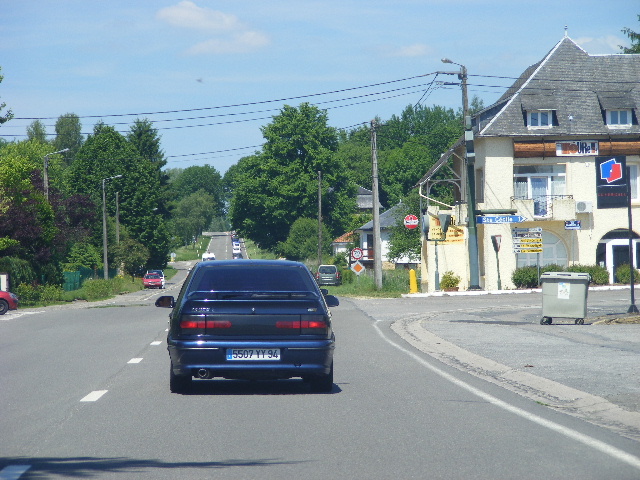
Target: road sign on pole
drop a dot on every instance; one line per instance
(499, 219)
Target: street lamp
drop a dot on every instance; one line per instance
(46, 171)
(104, 226)
(470, 157)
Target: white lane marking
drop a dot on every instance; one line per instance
(94, 396)
(13, 472)
(156, 343)
(567, 432)
(135, 360)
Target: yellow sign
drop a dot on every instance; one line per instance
(455, 234)
(528, 240)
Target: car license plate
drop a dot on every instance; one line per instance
(253, 354)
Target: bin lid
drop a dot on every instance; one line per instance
(568, 276)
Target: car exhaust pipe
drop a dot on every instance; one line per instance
(204, 373)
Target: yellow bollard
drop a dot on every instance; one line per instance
(413, 281)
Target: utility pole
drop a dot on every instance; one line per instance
(470, 159)
(319, 219)
(45, 172)
(377, 250)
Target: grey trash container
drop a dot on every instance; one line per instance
(564, 295)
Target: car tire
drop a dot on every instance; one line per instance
(179, 383)
(4, 307)
(322, 383)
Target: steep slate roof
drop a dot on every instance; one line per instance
(388, 219)
(578, 86)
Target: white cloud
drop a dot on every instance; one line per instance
(187, 14)
(242, 43)
(415, 50)
(231, 35)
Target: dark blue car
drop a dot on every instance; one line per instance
(250, 319)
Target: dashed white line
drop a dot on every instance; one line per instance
(94, 396)
(156, 343)
(13, 472)
(135, 360)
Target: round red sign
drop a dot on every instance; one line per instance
(411, 222)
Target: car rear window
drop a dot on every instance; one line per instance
(254, 279)
(327, 269)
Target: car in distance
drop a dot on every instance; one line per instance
(153, 280)
(8, 301)
(206, 256)
(253, 320)
(328, 275)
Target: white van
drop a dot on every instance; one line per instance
(208, 256)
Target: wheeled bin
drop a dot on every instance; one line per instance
(564, 295)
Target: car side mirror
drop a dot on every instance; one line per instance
(165, 301)
(332, 300)
(324, 291)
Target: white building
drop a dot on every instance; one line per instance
(535, 157)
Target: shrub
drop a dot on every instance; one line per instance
(599, 275)
(623, 274)
(27, 294)
(525, 277)
(449, 280)
(348, 275)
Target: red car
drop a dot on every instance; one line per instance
(8, 301)
(153, 280)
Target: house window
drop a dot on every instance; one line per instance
(540, 118)
(618, 118)
(540, 183)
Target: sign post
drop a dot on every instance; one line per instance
(496, 240)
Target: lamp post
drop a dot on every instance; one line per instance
(104, 226)
(45, 175)
(470, 157)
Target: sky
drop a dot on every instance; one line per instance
(210, 74)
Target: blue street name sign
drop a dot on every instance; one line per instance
(487, 219)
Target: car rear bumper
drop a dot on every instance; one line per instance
(298, 358)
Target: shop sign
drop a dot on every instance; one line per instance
(577, 148)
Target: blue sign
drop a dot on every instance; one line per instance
(489, 219)
(572, 225)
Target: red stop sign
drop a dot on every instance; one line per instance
(411, 222)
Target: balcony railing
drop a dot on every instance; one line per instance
(542, 204)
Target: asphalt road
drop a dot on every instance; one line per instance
(85, 395)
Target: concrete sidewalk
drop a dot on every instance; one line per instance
(589, 370)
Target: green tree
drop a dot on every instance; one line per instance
(68, 135)
(302, 242)
(132, 256)
(635, 40)
(83, 254)
(404, 242)
(106, 154)
(199, 178)
(270, 194)
(8, 115)
(192, 215)
(145, 137)
(37, 131)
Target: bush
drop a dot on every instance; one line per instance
(623, 274)
(27, 294)
(449, 280)
(599, 275)
(525, 277)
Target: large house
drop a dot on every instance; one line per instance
(536, 150)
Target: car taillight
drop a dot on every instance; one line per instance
(218, 324)
(196, 325)
(307, 324)
(192, 325)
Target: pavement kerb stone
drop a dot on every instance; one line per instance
(589, 407)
